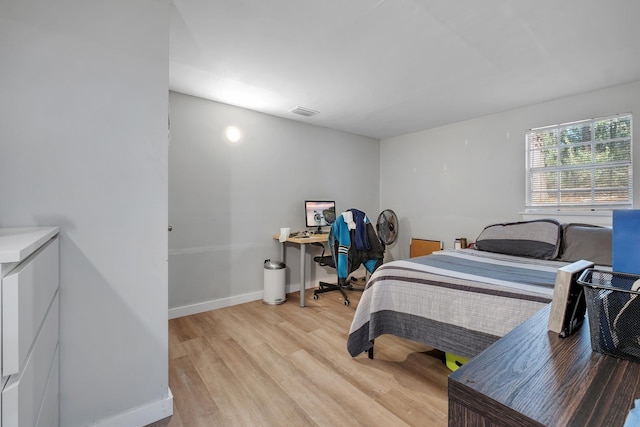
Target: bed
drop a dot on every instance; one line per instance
(462, 301)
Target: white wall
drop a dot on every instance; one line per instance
(226, 201)
(83, 137)
(452, 181)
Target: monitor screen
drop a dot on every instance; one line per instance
(319, 213)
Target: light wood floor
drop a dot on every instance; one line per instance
(261, 365)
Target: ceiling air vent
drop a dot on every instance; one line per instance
(307, 112)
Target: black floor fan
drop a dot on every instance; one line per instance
(387, 227)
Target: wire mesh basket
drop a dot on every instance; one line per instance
(613, 310)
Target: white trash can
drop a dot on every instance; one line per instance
(274, 282)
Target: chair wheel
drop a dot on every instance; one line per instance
(346, 302)
(315, 296)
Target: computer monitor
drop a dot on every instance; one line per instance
(319, 213)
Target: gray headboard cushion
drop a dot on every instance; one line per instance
(534, 239)
(588, 242)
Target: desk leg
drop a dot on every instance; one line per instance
(303, 250)
(282, 253)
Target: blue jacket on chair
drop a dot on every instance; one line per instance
(346, 255)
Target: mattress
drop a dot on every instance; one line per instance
(458, 301)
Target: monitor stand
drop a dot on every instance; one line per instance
(320, 231)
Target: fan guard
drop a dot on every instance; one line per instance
(387, 226)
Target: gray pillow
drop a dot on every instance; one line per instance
(533, 239)
(588, 242)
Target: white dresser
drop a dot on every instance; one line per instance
(29, 307)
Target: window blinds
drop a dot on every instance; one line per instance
(585, 164)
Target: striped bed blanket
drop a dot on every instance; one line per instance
(458, 301)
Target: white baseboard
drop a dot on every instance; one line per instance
(142, 415)
(201, 307)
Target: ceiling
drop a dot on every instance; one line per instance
(383, 68)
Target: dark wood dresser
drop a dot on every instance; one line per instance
(531, 377)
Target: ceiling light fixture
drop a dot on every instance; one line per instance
(307, 112)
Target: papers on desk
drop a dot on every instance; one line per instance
(633, 419)
(284, 234)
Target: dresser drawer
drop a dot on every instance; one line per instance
(32, 391)
(48, 416)
(27, 293)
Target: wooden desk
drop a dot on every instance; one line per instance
(531, 377)
(303, 242)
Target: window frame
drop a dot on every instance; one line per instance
(592, 166)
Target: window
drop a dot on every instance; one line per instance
(581, 165)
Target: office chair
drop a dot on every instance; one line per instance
(327, 261)
(350, 247)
